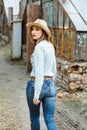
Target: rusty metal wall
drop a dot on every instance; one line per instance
(47, 12)
(33, 12)
(81, 46)
(68, 42)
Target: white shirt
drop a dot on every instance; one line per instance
(43, 62)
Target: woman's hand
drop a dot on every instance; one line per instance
(36, 101)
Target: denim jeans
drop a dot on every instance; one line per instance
(48, 99)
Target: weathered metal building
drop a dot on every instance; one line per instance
(68, 23)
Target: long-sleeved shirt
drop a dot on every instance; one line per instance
(43, 62)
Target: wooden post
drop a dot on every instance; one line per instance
(10, 18)
(52, 31)
(57, 42)
(69, 44)
(63, 45)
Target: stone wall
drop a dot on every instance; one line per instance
(71, 76)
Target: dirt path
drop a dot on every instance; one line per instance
(71, 113)
(12, 93)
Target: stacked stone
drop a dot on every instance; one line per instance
(71, 76)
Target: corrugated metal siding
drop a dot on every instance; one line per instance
(48, 12)
(75, 14)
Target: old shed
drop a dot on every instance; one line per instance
(68, 23)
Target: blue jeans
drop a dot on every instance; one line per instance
(48, 99)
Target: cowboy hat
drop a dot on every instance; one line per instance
(41, 24)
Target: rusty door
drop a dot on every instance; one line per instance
(33, 12)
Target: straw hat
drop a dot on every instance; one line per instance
(41, 24)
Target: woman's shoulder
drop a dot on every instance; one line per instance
(41, 44)
(44, 45)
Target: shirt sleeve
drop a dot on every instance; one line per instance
(54, 67)
(39, 66)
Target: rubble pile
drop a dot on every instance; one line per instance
(71, 76)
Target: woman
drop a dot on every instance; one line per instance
(41, 87)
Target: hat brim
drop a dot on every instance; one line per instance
(46, 29)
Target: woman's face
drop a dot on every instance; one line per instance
(36, 33)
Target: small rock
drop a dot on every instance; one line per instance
(86, 115)
(60, 95)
